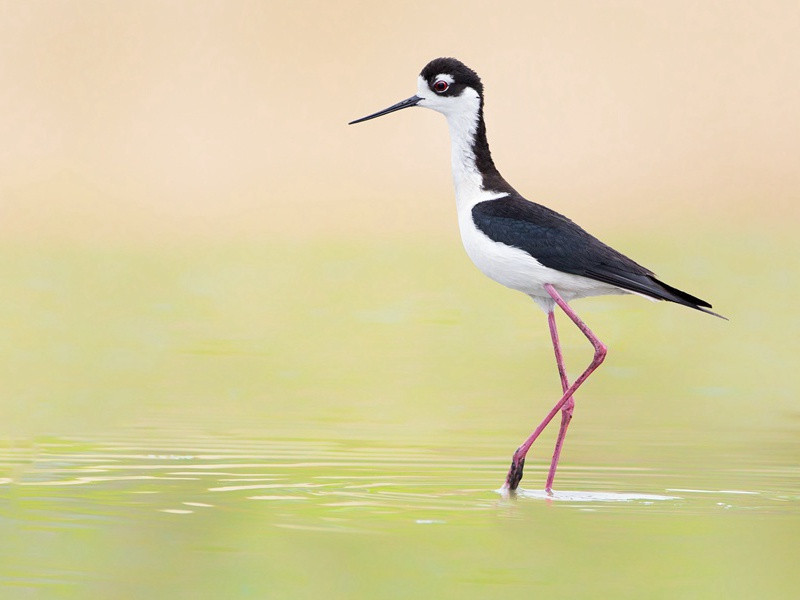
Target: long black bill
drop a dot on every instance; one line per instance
(399, 106)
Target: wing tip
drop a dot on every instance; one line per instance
(710, 312)
(681, 297)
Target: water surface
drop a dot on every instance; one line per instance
(335, 420)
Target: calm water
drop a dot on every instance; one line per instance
(187, 423)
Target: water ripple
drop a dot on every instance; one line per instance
(125, 477)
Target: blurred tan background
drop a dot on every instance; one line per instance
(165, 120)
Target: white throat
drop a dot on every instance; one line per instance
(463, 125)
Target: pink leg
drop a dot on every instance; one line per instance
(518, 461)
(566, 410)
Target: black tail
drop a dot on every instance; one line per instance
(635, 278)
(680, 297)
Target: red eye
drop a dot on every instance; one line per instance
(441, 86)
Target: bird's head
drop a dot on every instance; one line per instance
(445, 85)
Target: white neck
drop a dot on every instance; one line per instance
(466, 177)
(468, 181)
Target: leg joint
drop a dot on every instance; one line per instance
(600, 351)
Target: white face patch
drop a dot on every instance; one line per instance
(444, 77)
(423, 91)
(464, 105)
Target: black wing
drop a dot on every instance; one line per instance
(558, 243)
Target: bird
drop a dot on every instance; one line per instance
(523, 245)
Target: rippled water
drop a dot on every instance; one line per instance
(193, 475)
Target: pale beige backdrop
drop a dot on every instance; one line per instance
(162, 120)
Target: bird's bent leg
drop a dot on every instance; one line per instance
(518, 461)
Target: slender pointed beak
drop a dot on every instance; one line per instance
(413, 101)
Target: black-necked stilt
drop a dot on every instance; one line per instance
(521, 244)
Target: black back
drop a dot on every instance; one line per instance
(558, 243)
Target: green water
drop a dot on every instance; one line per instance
(333, 420)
